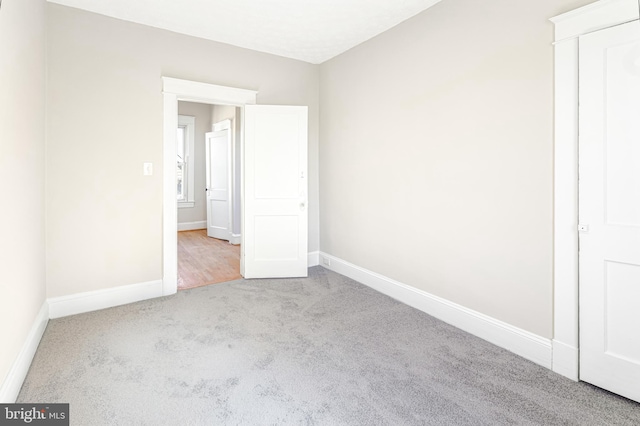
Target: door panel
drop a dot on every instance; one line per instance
(276, 174)
(275, 191)
(218, 185)
(622, 293)
(276, 238)
(609, 194)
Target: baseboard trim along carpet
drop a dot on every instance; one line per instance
(13, 382)
(192, 226)
(521, 342)
(101, 299)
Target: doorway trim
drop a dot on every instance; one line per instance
(174, 90)
(568, 28)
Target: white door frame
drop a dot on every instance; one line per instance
(175, 90)
(568, 28)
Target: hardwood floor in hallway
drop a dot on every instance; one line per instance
(203, 260)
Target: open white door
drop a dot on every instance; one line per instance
(610, 209)
(275, 191)
(218, 185)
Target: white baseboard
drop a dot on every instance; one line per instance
(566, 360)
(521, 342)
(192, 226)
(235, 239)
(15, 378)
(101, 299)
(313, 258)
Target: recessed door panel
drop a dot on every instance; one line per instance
(276, 238)
(277, 172)
(622, 293)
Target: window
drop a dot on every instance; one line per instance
(182, 195)
(184, 161)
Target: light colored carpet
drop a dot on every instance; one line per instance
(323, 350)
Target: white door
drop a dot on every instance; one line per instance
(610, 207)
(218, 185)
(274, 231)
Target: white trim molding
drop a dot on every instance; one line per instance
(521, 342)
(101, 299)
(565, 359)
(593, 17)
(18, 372)
(192, 226)
(175, 90)
(194, 91)
(568, 28)
(169, 197)
(313, 258)
(235, 239)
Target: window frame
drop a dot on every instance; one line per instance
(188, 122)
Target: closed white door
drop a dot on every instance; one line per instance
(275, 220)
(610, 209)
(218, 185)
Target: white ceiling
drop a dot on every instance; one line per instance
(309, 30)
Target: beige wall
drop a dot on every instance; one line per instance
(448, 187)
(222, 112)
(202, 114)
(22, 137)
(105, 119)
(449, 190)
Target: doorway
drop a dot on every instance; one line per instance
(175, 90)
(208, 193)
(274, 169)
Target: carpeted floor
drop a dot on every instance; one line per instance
(323, 350)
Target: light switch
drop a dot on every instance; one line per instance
(147, 169)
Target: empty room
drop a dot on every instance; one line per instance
(390, 212)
